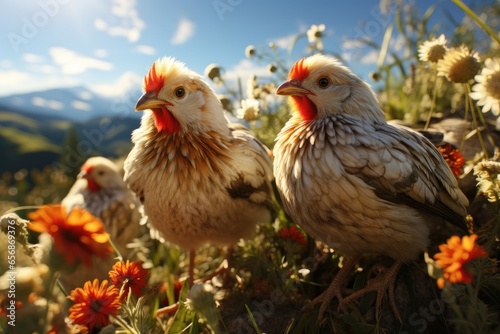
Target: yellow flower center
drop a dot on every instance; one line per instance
(436, 53)
(492, 85)
(464, 69)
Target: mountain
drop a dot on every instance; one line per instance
(74, 103)
(63, 126)
(35, 141)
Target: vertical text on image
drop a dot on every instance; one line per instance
(11, 260)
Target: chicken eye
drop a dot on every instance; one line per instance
(323, 82)
(180, 92)
(101, 172)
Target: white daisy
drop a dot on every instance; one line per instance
(487, 89)
(459, 65)
(213, 72)
(249, 110)
(250, 51)
(433, 50)
(226, 102)
(315, 35)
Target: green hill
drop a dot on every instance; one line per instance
(35, 141)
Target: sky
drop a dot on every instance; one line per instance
(109, 45)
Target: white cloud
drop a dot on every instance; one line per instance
(43, 68)
(244, 69)
(73, 63)
(146, 49)
(37, 64)
(33, 58)
(370, 58)
(350, 44)
(125, 23)
(346, 56)
(6, 63)
(13, 78)
(185, 31)
(123, 85)
(16, 82)
(101, 53)
(284, 42)
(398, 42)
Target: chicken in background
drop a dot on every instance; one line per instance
(101, 191)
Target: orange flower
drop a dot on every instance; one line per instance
(130, 275)
(77, 236)
(292, 233)
(455, 255)
(94, 304)
(453, 158)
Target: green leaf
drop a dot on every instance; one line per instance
(399, 19)
(385, 46)
(428, 13)
(184, 316)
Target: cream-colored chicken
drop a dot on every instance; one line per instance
(200, 178)
(355, 182)
(101, 191)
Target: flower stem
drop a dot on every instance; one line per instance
(462, 142)
(123, 324)
(117, 252)
(26, 207)
(53, 282)
(434, 94)
(60, 286)
(469, 102)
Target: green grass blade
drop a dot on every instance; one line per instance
(476, 18)
(385, 46)
(252, 319)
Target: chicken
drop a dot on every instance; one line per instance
(201, 179)
(353, 181)
(100, 190)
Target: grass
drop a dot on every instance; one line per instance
(28, 143)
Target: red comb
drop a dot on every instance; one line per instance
(87, 168)
(298, 71)
(153, 81)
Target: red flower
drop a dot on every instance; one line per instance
(130, 275)
(77, 236)
(94, 304)
(453, 158)
(293, 233)
(455, 255)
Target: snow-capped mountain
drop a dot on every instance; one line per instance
(74, 103)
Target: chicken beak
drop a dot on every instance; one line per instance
(83, 175)
(292, 87)
(149, 101)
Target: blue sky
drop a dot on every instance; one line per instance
(109, 45)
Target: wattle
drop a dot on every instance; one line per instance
(91, 185)
(165, 121)
(305, 107)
